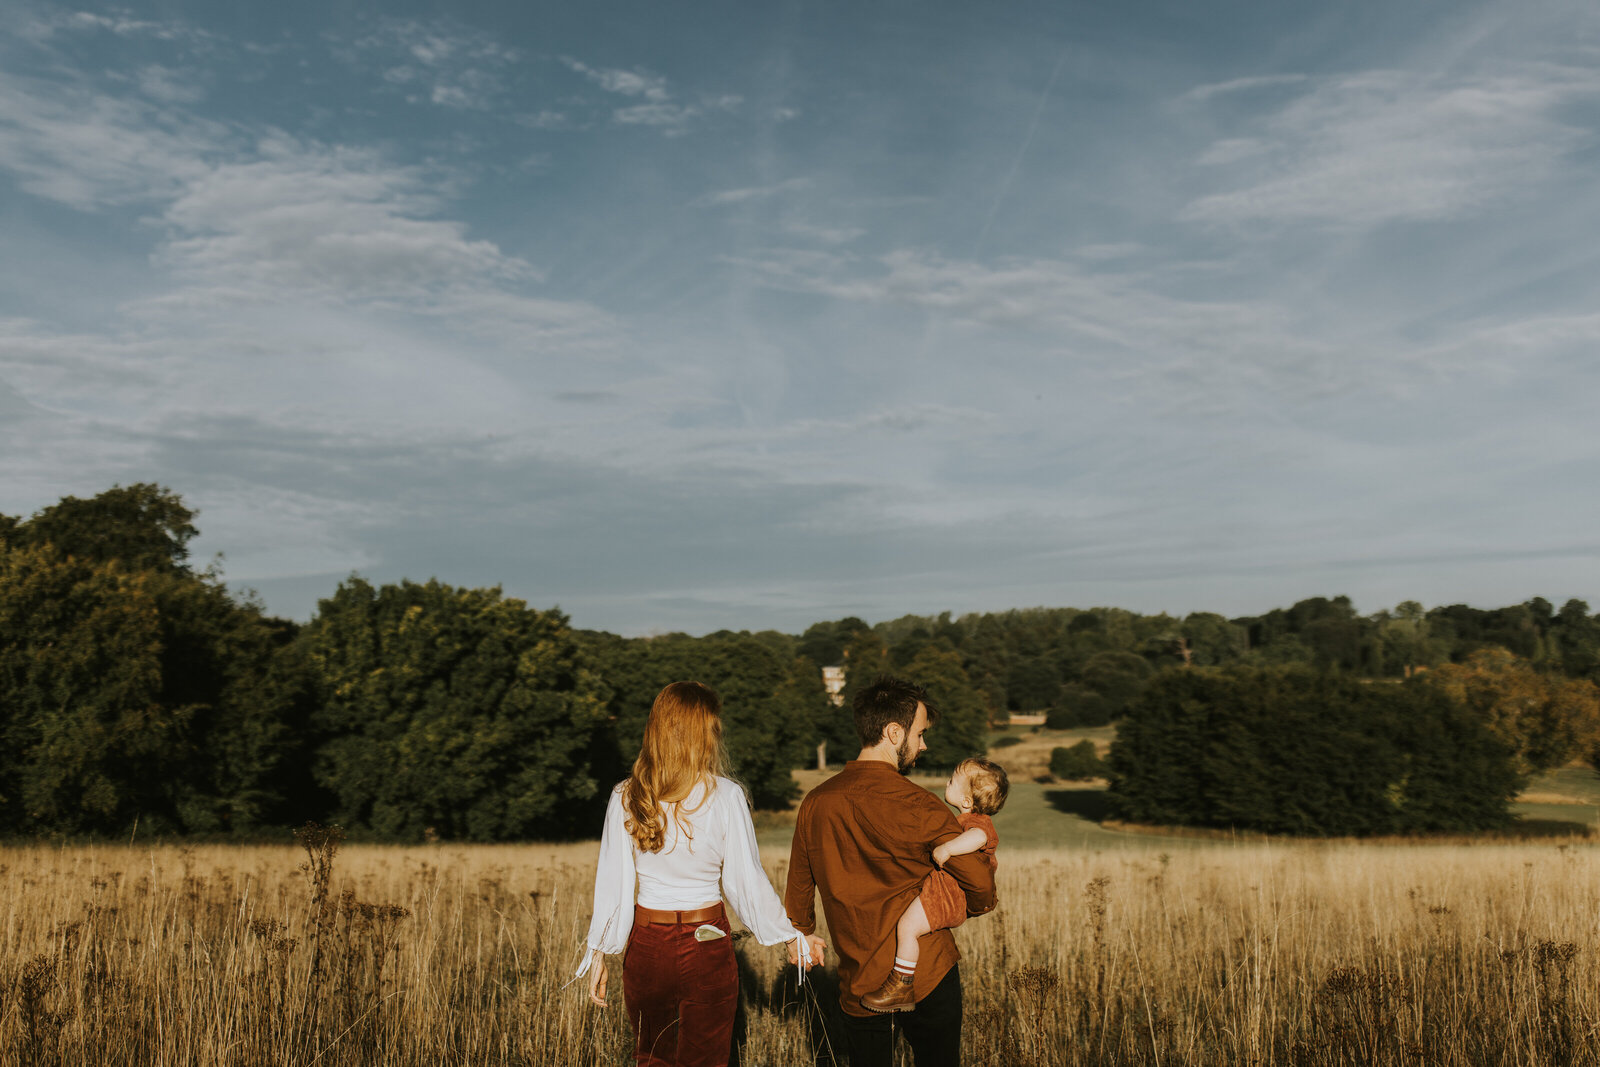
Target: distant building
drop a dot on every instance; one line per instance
(833, 682)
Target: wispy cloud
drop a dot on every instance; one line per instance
(439, 62)
(624, 82)
(39, 25)
(1201, 93)
(755, 192)
(168, 86)
(1364, 149)
(660, 107)
(87, 149)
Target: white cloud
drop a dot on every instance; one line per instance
(88, 150)
(1119, 321)
(1231, 150)
(545, 120)
(42, 26)
(624, 82)
(1382, 146)
(669, 115)
(168, 86)
(458, 67)
(660, 108)
(311, 219)
(755, 192)
(828, 235)
(1201, 93)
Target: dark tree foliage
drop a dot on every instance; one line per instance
(1519, 629)
(961, 730)
(88, 744)
(771, 703)
(135, 689)
(1034, 684)
(1576, 635)
(824, 643)
(142, 526)
(1300, 751)
(134, 692)
(1079, 706)
(456, 711)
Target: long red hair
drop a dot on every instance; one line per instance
(682, 749)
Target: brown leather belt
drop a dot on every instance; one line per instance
(642, 915)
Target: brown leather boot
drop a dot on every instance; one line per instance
(894, 995)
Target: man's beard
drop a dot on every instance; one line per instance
(904, 756)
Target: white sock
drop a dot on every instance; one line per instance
(904, 966)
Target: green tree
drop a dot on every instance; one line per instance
(456, 710)
(1407, 640)
(824, 643)
(135, 689)
(88, 745)
(963, 721)
(1299, 751)
(1544, 719)
(1577, 640)
(770, 705)
(1033, 685)
(1213, 640)
(1119, 677)
(142, 526)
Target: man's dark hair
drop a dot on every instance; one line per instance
(885, 701)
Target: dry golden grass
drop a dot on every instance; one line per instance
(1259, 953)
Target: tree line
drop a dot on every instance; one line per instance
(139, 695)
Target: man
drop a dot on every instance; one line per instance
(864, 838)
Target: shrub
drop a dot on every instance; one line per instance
(1076, 763)
(1007, 741)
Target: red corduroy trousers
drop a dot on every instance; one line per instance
(680, 994)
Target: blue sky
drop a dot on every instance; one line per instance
(701, 316)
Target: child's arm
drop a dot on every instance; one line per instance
(960, 845)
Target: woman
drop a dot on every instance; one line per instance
(675, 829)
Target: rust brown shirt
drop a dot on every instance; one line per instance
(865, 838)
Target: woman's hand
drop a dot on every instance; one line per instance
(597, 979)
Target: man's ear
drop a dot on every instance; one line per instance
(889, 732)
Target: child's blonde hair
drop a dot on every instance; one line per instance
(988, 782)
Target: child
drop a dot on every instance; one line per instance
(977, 789)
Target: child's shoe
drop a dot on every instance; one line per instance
(894, 995)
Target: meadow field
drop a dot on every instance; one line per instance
(1108, 948)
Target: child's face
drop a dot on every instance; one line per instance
(957, 792)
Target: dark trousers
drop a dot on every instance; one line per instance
(680, 994)
(933, 1031)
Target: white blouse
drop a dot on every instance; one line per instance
(721, 860)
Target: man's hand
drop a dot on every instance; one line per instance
(815, 946)
(941, 855)
(597, 979)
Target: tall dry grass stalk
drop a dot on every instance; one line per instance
(1219, 954)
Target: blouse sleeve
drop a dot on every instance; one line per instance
(614, 884)
(744, 882)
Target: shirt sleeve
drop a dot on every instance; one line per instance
(800, 897)
(615, 879)
(744, 881)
